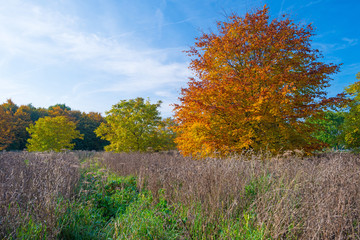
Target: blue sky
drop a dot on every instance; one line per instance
(90, 54)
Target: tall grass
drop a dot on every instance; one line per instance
(31, 188)
(166, 196)
(286, 197)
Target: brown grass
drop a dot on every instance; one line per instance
(30, 186)
(292, 197)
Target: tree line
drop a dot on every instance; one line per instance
(15, 120)
(131, 125)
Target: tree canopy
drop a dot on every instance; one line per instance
(87, 124)
(15, 119)
(52, 134)
(135, 125)
(6, 133)
(352, 117)
(256, 82)
(330, 129)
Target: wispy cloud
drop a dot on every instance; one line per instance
(313, 3)
(331, 47)
(43, 37)
(350, 41)
(281, 8)
(160, 20)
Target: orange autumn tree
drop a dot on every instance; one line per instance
(256, 82)
(6, 127)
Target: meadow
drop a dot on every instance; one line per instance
(102, 195)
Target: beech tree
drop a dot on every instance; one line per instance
(135, 125)
(52, 134)
(256, 82)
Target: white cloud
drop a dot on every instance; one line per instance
(166, 94)
(324, 47)
(44, 38)
(160, 19)
(331, 47)
(351, 41)
(312, 3)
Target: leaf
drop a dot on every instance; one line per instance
(136, 125)
(255, 83)
(52, 134)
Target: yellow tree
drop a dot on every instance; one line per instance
(52, 134)
(351, 128)
(164, 136)
(256, 82)
(135, 125)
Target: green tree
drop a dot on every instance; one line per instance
(87, 124)
(133, 125)
(36, 113)
(61, 106)
(330, 128)
(165, 135)
(53, 134)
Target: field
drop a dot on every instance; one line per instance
(97, 195)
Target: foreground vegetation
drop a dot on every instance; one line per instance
(88, 195)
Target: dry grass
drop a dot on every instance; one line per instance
(291, 197)
(30, 187)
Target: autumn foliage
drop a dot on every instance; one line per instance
(13, 123)
(256, 82)
(15, 119)
(136, 125)
(351, 126)
(6, 135)
(52, 134)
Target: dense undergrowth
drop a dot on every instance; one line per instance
(82, 195)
